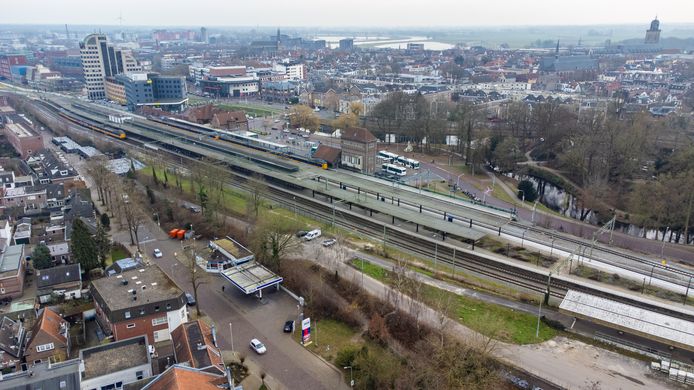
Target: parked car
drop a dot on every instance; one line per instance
(288, 326)
(190, 299)
(157, 253)
(258, 347)
(312, 234)
(329, 242)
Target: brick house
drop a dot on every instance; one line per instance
(230, 120)
(358, 150)
(12, 266)
(139, 302)
(49, 338)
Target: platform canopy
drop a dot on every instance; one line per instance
(251, 277)
(649, 324)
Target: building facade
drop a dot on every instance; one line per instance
(346, 44)
(21, 135)
(115, 90)
(139, 302)
(113, 365)
(358, 150)
(101, 60)
(7, 61)
(12, 272)
(151, 89)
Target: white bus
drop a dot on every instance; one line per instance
(414, 164)
(387, 156)
(394, 169)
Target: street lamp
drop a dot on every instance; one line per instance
(457, 181)
(351, 378)
(231, 333)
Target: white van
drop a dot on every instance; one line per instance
(312, 234)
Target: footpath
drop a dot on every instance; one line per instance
(565, 362)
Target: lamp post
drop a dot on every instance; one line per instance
(231, 334)
(457, 180)
(351, 378)
(532, 217)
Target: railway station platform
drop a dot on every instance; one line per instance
(654, 326)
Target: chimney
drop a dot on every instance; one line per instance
(214, 335)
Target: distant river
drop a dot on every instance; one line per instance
(387, 42)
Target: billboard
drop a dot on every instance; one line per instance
(306, 330)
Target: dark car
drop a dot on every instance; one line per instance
(301, 233)
(288, 326)
(190, 299)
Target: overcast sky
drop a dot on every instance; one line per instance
(376, 13)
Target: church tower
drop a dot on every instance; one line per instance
(653, 33)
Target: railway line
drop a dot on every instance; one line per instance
(493, 267)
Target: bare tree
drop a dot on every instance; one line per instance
(96, 168)
(274, 238)
(130, 210)
(443, 304)
(197, 277)
(255, 198)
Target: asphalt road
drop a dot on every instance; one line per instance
(286, 361)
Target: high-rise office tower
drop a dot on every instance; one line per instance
(101, 60)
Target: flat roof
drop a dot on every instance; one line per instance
(646, 323)
(402, 214)
(251, 277)
(231, 249)
(10, 260)
(117, 296)
(19, 130)
(114, 357)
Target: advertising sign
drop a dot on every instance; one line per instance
(306, 330)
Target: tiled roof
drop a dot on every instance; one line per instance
(58, 275)
(178, 377)
(49, 323)
(358, 134)
(193, 344)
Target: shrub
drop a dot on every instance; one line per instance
(527, 189)
(345, 357)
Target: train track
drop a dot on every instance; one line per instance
(644, 267)
(514, 274)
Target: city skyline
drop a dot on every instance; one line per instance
(359, 13)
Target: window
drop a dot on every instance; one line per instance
(127, 314)
(63, 384)
(159, 321)
(130, 326)
(139, 375)
(44, 347)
